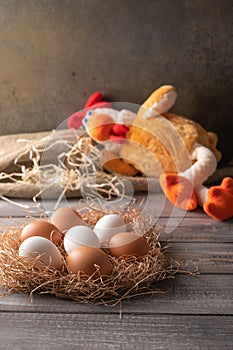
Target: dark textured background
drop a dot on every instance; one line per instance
(55, 53)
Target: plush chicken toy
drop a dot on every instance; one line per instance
(173, 148)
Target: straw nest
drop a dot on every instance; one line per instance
(129, 277)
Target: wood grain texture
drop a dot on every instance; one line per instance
(190, 229)
(155, 204)
(106, 331)
(208, 257)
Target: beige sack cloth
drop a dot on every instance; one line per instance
(13, 146)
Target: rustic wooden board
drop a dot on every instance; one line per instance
(157, 205)
(107, 331)
(205, 229)
(208, 257)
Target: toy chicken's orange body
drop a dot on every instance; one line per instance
(173, 148)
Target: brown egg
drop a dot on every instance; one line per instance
(84, 259)
(128, 243)
(43, 229)
(65, 218)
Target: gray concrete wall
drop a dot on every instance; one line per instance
(55, 53)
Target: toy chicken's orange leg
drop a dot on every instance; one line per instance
(219, 204)
(179, 191)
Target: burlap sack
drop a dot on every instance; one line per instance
(14, 147)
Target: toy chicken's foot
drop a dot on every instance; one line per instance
(179, 191)
(219, 204)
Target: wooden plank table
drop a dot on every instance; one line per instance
(196, 312)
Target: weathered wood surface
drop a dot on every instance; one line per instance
(155, 203)
(192, 313)
(106, 331)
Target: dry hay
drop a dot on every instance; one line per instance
(129, 277)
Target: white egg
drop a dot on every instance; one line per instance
(108, 226)
(80, 236)
(35, 246)
(65, 218)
